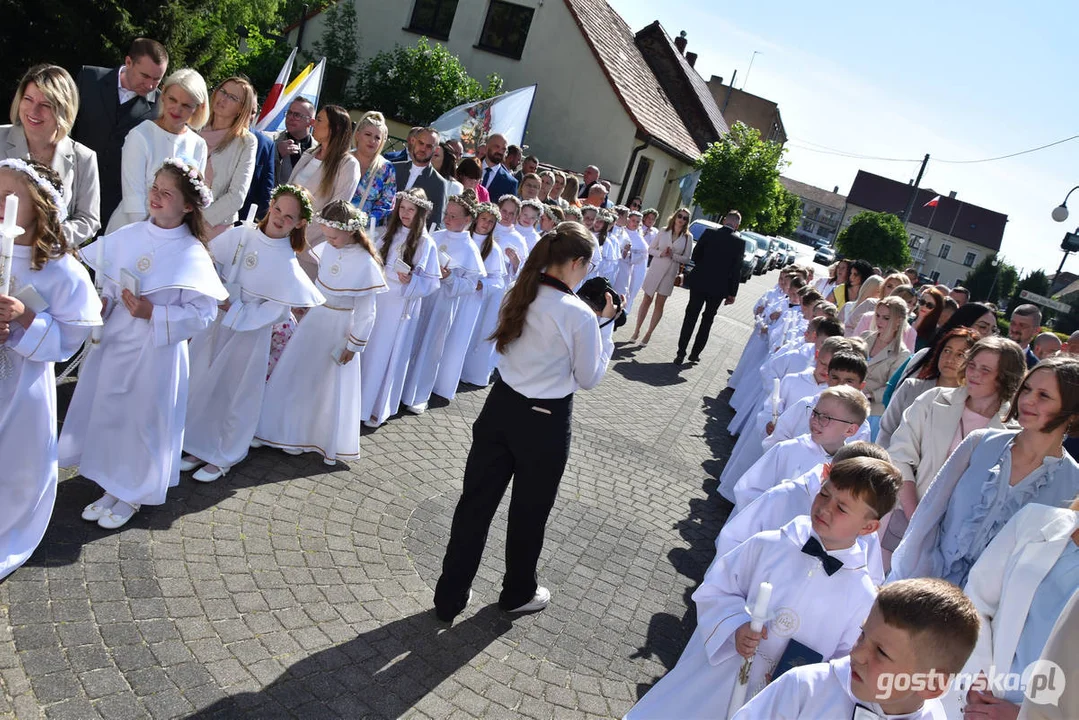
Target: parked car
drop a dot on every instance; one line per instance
(789, 253)
(761, 252)
(749, 259)
(825, 255)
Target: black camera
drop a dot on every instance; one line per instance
(594, 292)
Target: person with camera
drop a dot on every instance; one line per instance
(717, 263)
(550, 344)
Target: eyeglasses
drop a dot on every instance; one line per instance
(826, 420)
(230, 96)
(293, 115)
(591, 266)
(925, 303)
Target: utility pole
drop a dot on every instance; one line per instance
(914, 190)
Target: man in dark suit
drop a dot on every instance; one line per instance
(111, 102)
(418, 172)
(717, 264)
(262, 182)
(496, 178)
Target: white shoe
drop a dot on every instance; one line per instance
(292, 451)
(371, 424)
(189, 463)
(95, 510)
(417, 409)
(206, 475)
(330, 461)
(538, 602)
(255, 443)
(113, 520)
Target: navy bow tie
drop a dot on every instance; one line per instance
(831, 564)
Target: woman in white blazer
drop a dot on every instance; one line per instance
(232, 148)
(886, 352)
(1020, 584)
(42, 114)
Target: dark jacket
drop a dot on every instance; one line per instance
(430, 182)
(717, 263)
(102, 125)
(502, 182)
(262, 183)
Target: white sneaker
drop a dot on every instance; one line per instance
(189, 463)
(538, 602)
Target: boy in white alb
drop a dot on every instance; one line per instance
(835, 418)
(821, 592)
(922, 628)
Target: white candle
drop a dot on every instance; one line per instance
(8, 232)
(99, 282)
(371, 226)
(251, 215)
(760, 606)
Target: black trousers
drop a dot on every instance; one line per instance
(513, 437)
(698, 301)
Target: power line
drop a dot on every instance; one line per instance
(1010, 155)
(825, 150)
(856, 156)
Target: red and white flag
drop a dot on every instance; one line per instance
(278, 86)
(933, 203)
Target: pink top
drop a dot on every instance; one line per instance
(968, 423)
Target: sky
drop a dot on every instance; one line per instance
(959, 80)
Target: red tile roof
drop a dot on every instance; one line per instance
(612, 43)
(825, 198)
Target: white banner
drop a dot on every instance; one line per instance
(473, 123)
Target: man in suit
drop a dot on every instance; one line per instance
(418, 172)
(496, 178)
(295, 139)
(1023, 326)
(402, 154)
(717, 263)
(262, 183)
(111, 102)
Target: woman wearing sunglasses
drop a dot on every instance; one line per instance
(927, 316)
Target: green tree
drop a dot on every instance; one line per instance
(782, 214)
(989, 283)
(1036, 282)
(739, 172)
(878, 238)
(416, 84)
(340, 45)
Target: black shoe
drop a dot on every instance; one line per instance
(694, 359)
(679, 359)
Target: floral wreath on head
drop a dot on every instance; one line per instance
(357, 223)
(488, 207)
(549, 211)
(650, 211)
(469, 207)
(619, 209)
(306, 209)
(606, 216)
(636, 213)
(44, 185)
(534, 204)
(194, 178)
(416, 200)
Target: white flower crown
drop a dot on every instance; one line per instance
(44, 185)
(356, 223)
(416, 200)
(194, 178)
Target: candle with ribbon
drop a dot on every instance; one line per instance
(238, 256)
(758, 616)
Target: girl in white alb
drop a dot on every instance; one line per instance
(514, 248)
(479, 359)
(125, 425)
(527, 219)
(45, 316)
(228, 360)
(312, 401)
(462, 268)
(632, 261)
(410, 258)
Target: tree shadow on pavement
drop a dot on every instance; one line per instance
(382, 673)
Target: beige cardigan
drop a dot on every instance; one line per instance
(880, 369)
(234, 166)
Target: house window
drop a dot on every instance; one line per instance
(506, 29)
(934, 276)
(915, 240)
(640, 178)
(945, 248)
(433, 18)
(969, 259)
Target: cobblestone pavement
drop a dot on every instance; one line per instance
(285, 590)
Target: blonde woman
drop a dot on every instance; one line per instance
(232, 149)
(378, 181)
(857, 307)
(669, 250)
(183, 110)
(42, 114)
(886, 353)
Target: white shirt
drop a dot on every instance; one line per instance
(413, 173)
(489, 178)
(561, 348)
(125, 94)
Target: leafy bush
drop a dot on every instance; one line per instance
(878, 238)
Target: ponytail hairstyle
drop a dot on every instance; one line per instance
(46, 196)
(567, 242)
(195, 192)
(337, 147)
(341, 215)
(487, 208)
(423, 206)
(298, 236)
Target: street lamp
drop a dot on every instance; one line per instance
(995, 262)
(1060, 212)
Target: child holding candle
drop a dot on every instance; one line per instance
(822, 591)
(313, 398)
(479, 359)
(125, 425)
(923, 628)
(38, 271)
(228, 360)
(410, 259)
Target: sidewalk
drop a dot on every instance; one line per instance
(286, 591)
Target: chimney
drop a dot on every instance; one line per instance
(836, 189)
(691, 58)
(680, 42)
(952, 194)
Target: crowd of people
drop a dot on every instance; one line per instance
(886, 433)
(902, 479)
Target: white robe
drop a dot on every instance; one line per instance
(819, 692)
(125, 425)
(481, 357)
(777, 507)
(820, 611)
(228, 360)
(632, 265)
(507, 237)
(397, 313)
(795, 421)
(311, 401)
(438, 316)
(531, 236)
(28, 397)
(785, 461)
